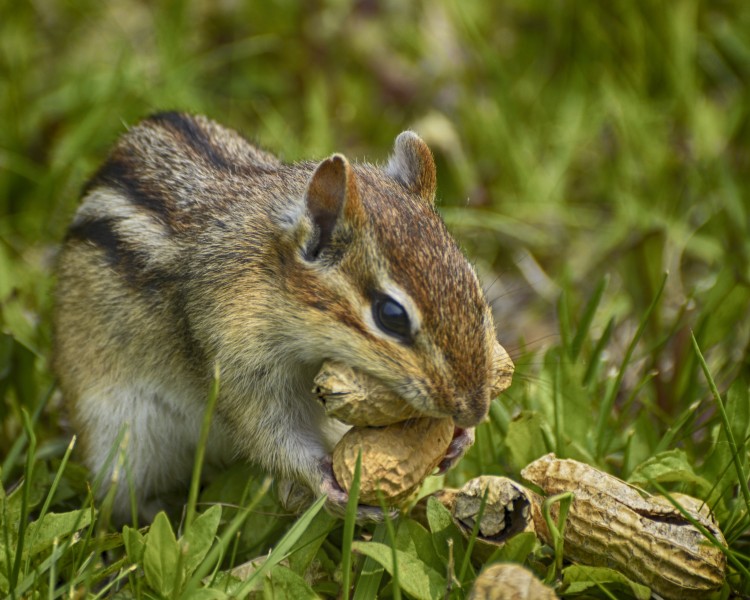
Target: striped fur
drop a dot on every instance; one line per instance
(192, 248)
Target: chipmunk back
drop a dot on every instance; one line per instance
(192, 248)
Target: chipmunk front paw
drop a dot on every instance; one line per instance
(338, 498)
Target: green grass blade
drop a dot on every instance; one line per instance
(284, 546)
(603, 434)
(29, 471)
(218, 550)
(741, 475)
(587, 318)
(200, 450)
(372, 571)
(350, 521)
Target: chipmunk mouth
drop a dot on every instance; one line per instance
(462, 440)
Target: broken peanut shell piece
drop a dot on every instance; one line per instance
(613, 524)
(395, 459)
(507, 510)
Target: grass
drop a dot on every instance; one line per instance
(592, 162)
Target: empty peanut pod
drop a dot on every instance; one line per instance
(616, 525)
(507, 510)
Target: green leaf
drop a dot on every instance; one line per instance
(516, 549)
(414, 539)
(443, 529)
(667, 467)
(577, 579)
(284, 584)
(161, 556)
(55, 525)
(415, 577)
(372, 572)
(525, 441)
(135, 544)
(206, 594)
(199, 537)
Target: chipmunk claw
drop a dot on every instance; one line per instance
(338, 499)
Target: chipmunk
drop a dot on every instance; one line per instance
(193, 248)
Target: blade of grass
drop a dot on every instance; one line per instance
(284, 546)
(587, 318)
(372, 571)
(225, 539)
(350, 521)
(29, 471)
(22, 439)
(200, 451)
(596, 353)
(472, 539)
(51, 493)
(603, 434)
(741, 475)
(556, 530)
(392, 541)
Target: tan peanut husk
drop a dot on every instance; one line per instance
(509, 581)
(616, 525)
(357, 399)
(507, 511)
(395, 459)
(503, 371)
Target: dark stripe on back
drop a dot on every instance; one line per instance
(130, 263)
(119, 173)
(194, 136)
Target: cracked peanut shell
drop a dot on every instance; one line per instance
(396, 458)
(614, 524)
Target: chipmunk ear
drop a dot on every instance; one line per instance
(412, 165)
(331, 198)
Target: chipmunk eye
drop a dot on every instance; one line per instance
(391, 317)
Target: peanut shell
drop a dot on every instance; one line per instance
(396, 458)
(509, 581)
(503, 368)
(507, 510)
(616, 525)
(356, 399)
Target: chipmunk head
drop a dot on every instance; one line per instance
(387, 288)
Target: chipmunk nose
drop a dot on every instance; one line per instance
(473, 408)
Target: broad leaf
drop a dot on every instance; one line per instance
(135, 544)
(415, 577)
(579, 578)
(198, 539)
(41, 534)
(161, 557)
(284, 584)
(668, 467)
(414, 539)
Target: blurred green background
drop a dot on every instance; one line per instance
(584, 149)
(573, 140)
